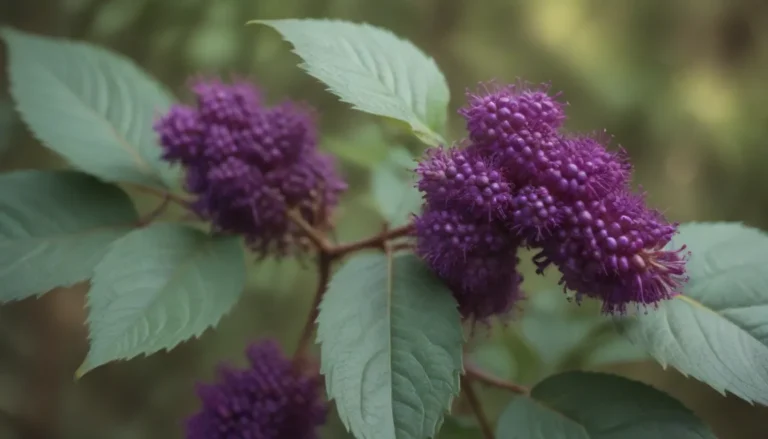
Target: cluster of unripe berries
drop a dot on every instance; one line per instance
(518, 181)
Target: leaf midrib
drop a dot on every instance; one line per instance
(390, 292)
(696, 304)
(143, 166)
(419, 123)
(192, 256)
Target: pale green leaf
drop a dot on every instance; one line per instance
(94, 107)
(391, 347)
(158, 287)
(55, 226)
(374, 70)
(394, 187)
(717, 331)
(585, 405)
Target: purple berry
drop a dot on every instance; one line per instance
(279, 135)
(477, 259)
(489, 285)
(536, 214)
(249, 164)
(181, 134)
(614, 250)
(269, 400)
(462, 178)
(497, 113)
(581, 168)
(231, 105)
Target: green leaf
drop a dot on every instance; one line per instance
(391, 347)
(394, 187)
(158, 287)
(717, 331)
(92, 106)
(373, 70)
(55, 226)
(585, 405)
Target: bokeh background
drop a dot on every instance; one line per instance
(681, 84)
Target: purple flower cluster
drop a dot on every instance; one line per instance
(270, 400)
(249, 164)
(519, 181)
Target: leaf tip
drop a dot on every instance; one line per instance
(82, 370)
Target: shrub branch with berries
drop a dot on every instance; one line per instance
(401, 315)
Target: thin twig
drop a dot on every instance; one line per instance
(476, 374)
(376, 241)
(312, 233)
(474, 403)
(324, 272)
(181, 201)
(156, 212)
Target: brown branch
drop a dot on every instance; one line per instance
(337, 251)
(376, 241)
(314, 235)
(399, 246)
(324, 271)
(474, 403)
(473, 372)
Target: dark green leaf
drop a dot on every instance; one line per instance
(94, 107)
(717, 331)
(158, 287)
(55, 227)
(585, 405)
(391, 347)
(373, 70)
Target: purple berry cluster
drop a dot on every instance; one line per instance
(270, 400)
(249, 164)
(461, 232)
(518, 180)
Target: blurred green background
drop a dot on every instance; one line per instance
(681, 84)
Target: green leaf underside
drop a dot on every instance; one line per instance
(394, 187)
(94, 107)
(391, 347)
(587, 405)
(160, 286)
(55, 226)
(372, 69)
(717, 331)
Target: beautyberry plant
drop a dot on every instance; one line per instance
(402, 315)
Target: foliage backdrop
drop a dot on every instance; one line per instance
(680, 84)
